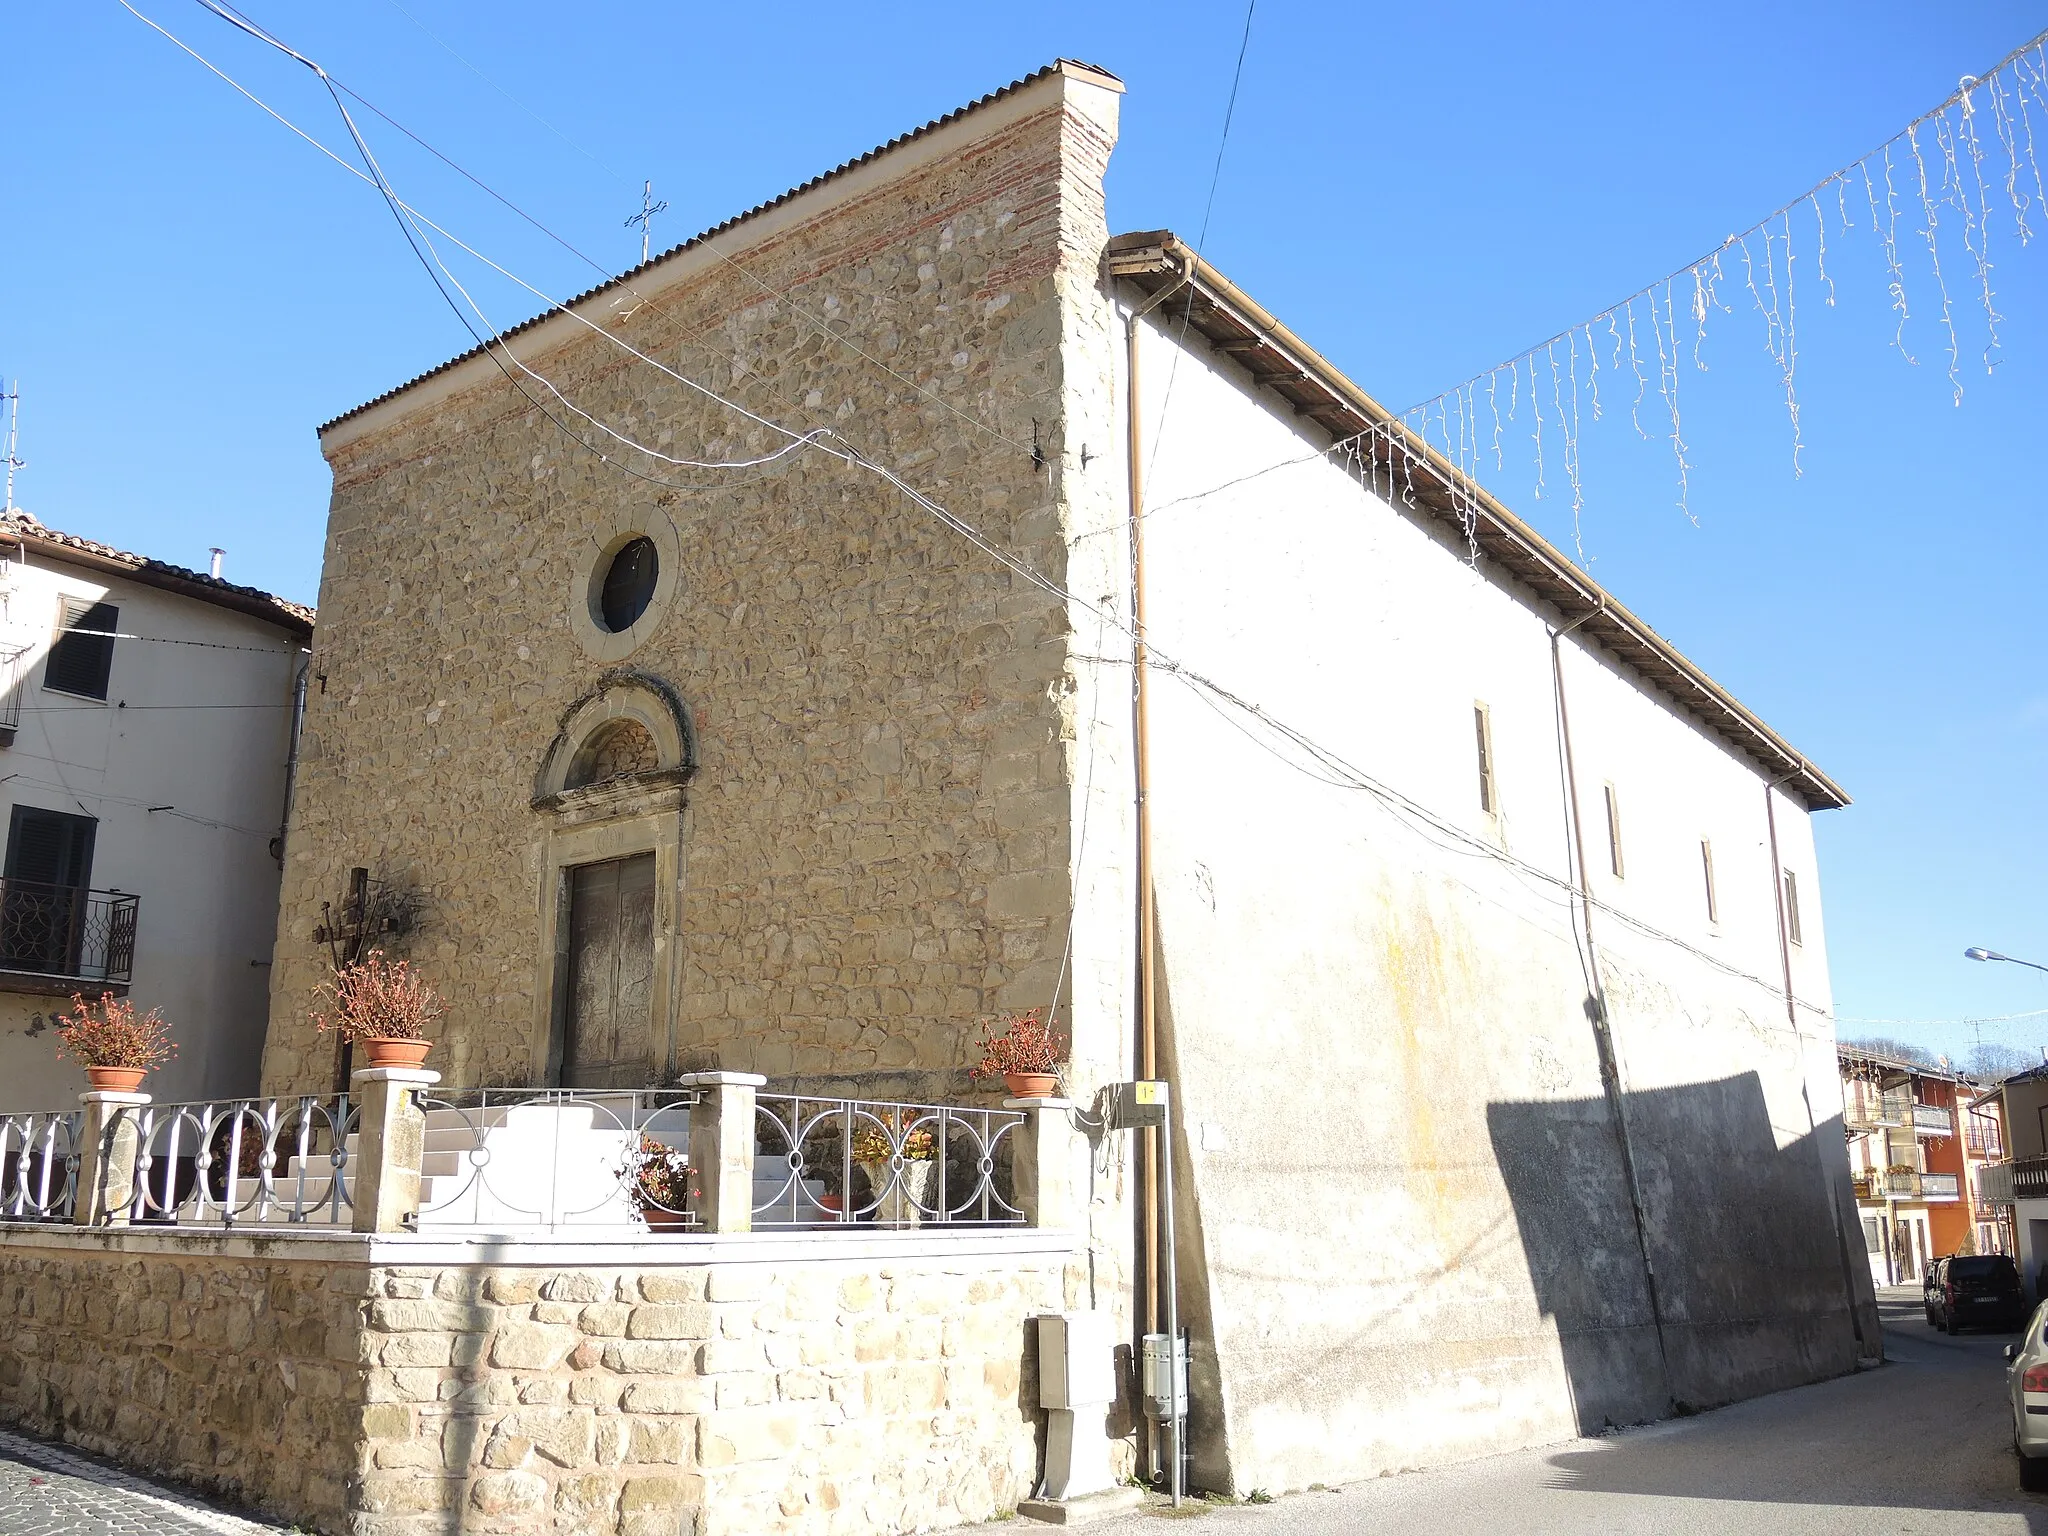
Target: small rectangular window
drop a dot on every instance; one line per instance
(82, 655)
(1489, 796)
(1792, 930)
(1614, 832)
(1707, 869)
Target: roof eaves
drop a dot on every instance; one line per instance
(21, 529)
(625, 279)
(1318, 390)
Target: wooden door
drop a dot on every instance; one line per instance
(610, 980)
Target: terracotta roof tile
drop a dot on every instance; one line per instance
(254, 601)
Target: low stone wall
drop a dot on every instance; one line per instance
(236, 1374)
(384, 1387)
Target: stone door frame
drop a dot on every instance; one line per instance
(643, 820)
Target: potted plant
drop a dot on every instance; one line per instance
(659, 1186)
(1026, 1055)
(899, 1191)
(385, 1008)
(116, 1046)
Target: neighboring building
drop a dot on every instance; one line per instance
(2016, 1188)
(1498, 1032)
(146, 717)
(1984, 1147)
(1914, 1142)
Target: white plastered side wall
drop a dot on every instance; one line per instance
(1415, 1234)
(187, 799)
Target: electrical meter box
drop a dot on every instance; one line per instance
(1076, 1360)
(1133, 1106)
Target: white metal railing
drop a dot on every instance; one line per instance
(837, 1162)
(1940, 1186)
(553, 1158)
(237, 1162)
(713, 1157)
(39, 1165)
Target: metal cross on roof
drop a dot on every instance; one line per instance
(645, 217)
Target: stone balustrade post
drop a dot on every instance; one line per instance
(109, 1141)
(722, 1149)
(391, 1140)
(1043, 1163)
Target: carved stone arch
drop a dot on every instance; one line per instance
(631, 729)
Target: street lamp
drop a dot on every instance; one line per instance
(1978, 952)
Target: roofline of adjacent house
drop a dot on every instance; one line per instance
(1316, 388)
(2032, 1074)
(167, 578)
(835, 179)
(1900, 1064)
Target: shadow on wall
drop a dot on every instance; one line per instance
(1750, 1293)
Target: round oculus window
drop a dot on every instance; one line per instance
(627, 586)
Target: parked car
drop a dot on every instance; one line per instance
(1974, 1291)
(1930, 1287)
(2026, 1381)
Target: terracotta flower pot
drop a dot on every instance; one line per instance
(1032, 1085)
(660, 1219)
(385, 1052)
(116, 1079)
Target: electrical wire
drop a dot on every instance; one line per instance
(1202, 239)
(1335, 770)
(410, 219)
(449, 49)
(208, 645)
(781, 296)
(973, 535)
(1995, 1018)
(96, 709)
(411, 222)
(79, 798)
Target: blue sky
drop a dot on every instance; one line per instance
(186, 291)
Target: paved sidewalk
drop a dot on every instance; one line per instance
(1921, 1446)
(51, 1490)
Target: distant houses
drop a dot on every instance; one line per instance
(1919, 1134)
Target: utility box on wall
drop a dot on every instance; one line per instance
(1076, 1360)
(1076, 1385)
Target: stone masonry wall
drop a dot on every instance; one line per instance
(840, 1396)
(876, 845)
(238, 1376)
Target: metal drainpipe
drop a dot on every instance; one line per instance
(1603, 1036)
(1827, 1183)
(1148, 1036)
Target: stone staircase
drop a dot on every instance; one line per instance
(515, 1166)
(522, 1167)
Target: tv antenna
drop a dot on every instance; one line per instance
(14, 461)
(645, 217)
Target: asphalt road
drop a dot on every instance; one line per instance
(1922, 1444)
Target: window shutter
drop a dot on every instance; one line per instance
(80, 663)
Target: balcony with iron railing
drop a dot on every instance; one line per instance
(1933, 1120)
(56, 938)
(1981, 1142)
(1940, 1186)
(1864, 1108)
(1905, 1184)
